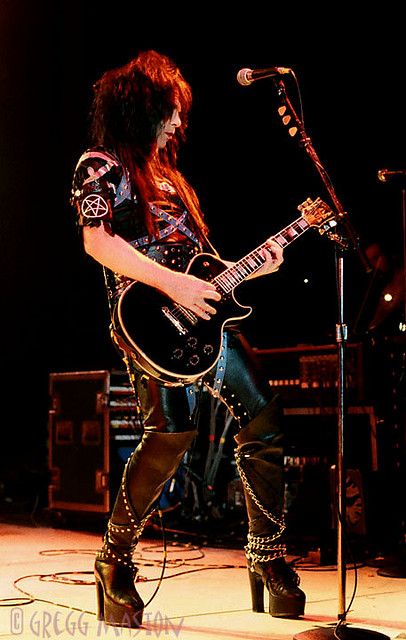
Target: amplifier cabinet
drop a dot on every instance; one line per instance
(307, 375)
(93, 428)
(311, 433)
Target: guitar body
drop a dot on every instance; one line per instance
(171, 343)
(168, 341)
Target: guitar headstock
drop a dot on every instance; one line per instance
(317, 213)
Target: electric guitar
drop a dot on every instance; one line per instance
(171, 343)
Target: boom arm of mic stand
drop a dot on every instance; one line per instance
(305, 141)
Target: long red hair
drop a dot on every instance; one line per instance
(130, 104)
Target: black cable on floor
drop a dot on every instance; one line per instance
(161, 577)
(61, 576)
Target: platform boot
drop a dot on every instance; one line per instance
(153, 462)
(259, 458)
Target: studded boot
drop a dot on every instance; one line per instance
(153, 462)
(259, 458)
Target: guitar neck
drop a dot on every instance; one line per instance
(228, 279)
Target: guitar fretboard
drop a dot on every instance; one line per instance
(231, 277)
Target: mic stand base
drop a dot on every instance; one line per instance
(343, 632)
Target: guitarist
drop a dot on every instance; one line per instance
(142, 221)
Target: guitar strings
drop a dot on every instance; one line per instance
(228, 279)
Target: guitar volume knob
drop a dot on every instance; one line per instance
(194, 360)
(177, 354)
(192, 342)
(208, 349)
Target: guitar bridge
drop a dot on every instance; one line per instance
(189, 315)
(175, 321)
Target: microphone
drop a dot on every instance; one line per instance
(246, 77)
(384, 174)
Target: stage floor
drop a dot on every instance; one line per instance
(204, 594)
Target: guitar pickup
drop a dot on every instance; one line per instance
(175, 321)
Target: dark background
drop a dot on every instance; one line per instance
(248, 172)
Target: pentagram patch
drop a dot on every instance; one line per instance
(94, 206)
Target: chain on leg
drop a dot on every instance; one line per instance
(261, 548)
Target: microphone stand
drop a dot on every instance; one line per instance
(342, 242)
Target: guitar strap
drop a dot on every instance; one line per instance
(191, 397)
(218, 378)
(221, 368)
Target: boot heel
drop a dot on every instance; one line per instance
(114, 585)
(257, 592)
(99, 600)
